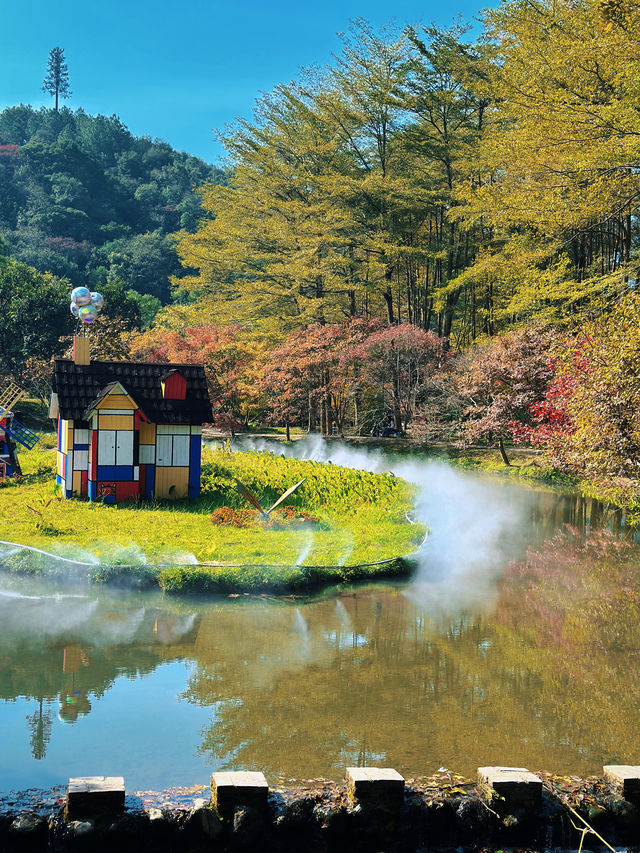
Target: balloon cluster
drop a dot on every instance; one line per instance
(85, 304)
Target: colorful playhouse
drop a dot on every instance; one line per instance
(128, 429)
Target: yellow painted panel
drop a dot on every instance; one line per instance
(67, 437)
(147, 433)
(116, 422)
(116, 401)
(172, 482)
(77, 482)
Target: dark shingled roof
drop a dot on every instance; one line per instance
(79, 388)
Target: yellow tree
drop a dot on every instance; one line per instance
(561, 152)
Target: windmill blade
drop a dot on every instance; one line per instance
(285, 496)
(249, 496)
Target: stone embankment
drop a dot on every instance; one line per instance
(375, 810)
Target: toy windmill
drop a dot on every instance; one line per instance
(12, 431)
(253, 500)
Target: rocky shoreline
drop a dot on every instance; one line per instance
(441, 812)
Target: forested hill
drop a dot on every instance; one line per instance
(83, 198)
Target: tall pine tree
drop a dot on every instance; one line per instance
(56, 81)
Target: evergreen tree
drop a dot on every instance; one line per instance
(56, 81)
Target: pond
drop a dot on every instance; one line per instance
(517, 643)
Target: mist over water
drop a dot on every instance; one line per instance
(474, 525)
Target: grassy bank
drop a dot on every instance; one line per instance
(355, 519)
(525, 465)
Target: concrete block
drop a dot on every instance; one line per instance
(380, 785)
(515, 786)
(238, 788)
(93, 796)
(625, 778)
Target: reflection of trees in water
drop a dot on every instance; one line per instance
(40, 723)
(384, 681)
(377, 676)
(550, 512)
(54, 651)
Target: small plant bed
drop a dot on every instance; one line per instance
(286, 517)
(340, 525)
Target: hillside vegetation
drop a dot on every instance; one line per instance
(82, 198)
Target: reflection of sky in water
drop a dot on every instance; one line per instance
(137, 728)
(341, 641)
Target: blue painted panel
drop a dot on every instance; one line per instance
(59, 433)
(109, 499)
(194, 467)
(59, 480)
(93, 490)
(80, 446)
(68, 493)
(115, 473)
(150, 482)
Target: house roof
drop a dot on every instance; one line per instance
(80, 388)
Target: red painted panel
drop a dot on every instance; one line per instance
(136, 419)
(175, 386)
(127, 491)
(94, 453)
(83, 483)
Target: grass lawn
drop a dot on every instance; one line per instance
(360, 518)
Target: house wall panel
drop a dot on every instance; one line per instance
(116, 401)
(174, 429)
(150, 481)
(194, 466)
(80, 460)
(93, 462)
(172, 482)
(164, 446)
(124, 447)
(68, 471)
(124, 422)
(180, 456)
(147, 433)
(81, 436)
(106, 447)
(115, 473)
(126, 491)
(147, 454)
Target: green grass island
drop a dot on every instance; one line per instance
(341, 525)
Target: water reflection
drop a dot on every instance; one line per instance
(524, 658)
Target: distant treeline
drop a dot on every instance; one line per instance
(84, 199)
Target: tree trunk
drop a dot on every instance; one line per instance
(503, 453)
(287, 431)
(388, 298)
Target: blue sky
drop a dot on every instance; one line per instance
(180, 70)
